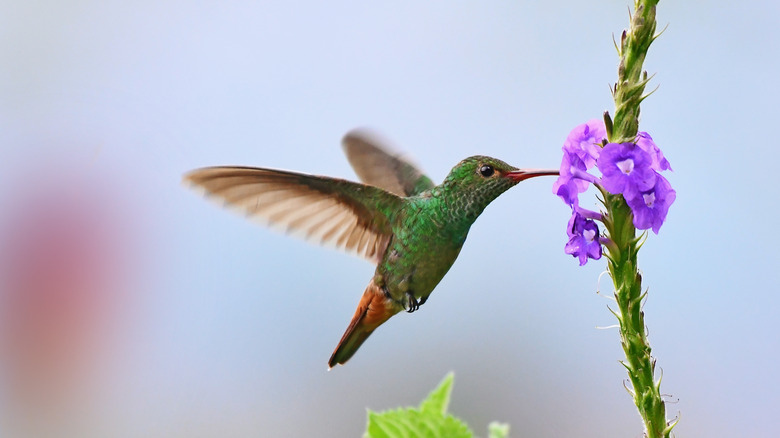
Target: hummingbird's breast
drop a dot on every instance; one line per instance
(426, 241)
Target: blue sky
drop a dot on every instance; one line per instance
(232, 324)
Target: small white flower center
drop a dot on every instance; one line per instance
(649, 199)
(626, 166)
(589, 235)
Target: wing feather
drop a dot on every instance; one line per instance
(351, 216)
(377, 165)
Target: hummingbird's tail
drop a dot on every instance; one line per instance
(373, 310)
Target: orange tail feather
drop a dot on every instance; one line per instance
(373, 310)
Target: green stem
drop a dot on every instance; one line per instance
(622, 252)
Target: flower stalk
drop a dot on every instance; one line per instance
(622, 266)
(628, 91)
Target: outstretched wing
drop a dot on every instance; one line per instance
(329, 211)
(376, 165)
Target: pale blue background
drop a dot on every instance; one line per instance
(238, 322)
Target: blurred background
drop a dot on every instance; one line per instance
(130, 306)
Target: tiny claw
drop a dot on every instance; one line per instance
(412, 303)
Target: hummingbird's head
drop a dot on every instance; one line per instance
(478, 180)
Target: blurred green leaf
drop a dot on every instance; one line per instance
(498, 430)
(411, 423)
(439, 399)
(429, 421)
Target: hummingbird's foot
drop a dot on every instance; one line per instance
(412, 303)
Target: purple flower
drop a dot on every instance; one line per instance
(585, 142)
(625, 168)
(583, 238)
(567, 189)
(628, 169)
(646, 143)
(580, 152)
(573, 178)
(650, 207)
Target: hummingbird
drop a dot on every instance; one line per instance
(409, 227)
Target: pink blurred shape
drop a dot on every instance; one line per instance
(64, 252)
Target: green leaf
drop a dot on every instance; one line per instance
(498, 430)
(439, 399)
(411, 423)
(429, 421)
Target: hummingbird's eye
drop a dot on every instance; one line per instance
(486, 170)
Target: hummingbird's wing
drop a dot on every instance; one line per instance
(329, 211)
(375, 165)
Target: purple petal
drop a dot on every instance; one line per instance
(646, 143)
(584, 141)
(574, 247)
(584, 240)
(573, 179)
(594, 250)
(640, 180)
(575, 225)
(650, 207)
(625, 169)
(566, 189)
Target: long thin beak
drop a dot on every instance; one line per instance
(524, 174)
